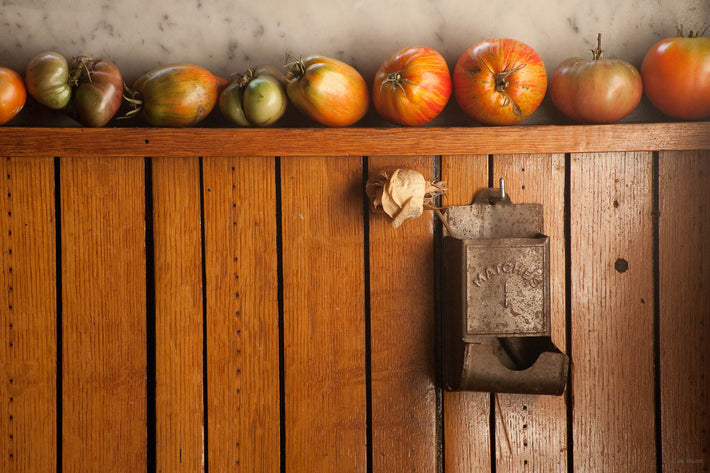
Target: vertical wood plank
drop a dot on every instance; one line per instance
(467, 438)
(324, 326)
(28, 355)
(104, 314)
(612, 312)
(178, 314)
(536, 426)
(242, 314)
(684, 321)
(402, 335)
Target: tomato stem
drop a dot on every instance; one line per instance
(396, 79)
(81, 67)
(296, 67)
(501, 82)
(502, 78)
(134, 100)
(598, 52)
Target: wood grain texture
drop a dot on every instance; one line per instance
(242, 314)
(536, 426)
(28, 313)
(684, 322)
(324, 323)
(612, 312)
(177, 244)
(467, 437)
(103, 314)
(353, 141)
(404, 433)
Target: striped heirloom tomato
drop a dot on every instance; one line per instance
(499, 81)
(412, 86)
(176, 95)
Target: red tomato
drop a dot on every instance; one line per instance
(676, 76)
(328, 91)
(176, 95)
(12, 94)
(412, 86)
(499, 81)
(97, 90)
(597, 90)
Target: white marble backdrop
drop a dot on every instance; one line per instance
(228, 36)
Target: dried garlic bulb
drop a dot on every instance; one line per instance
(404, 195)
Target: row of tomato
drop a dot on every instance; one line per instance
(495, 82)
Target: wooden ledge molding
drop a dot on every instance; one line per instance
(141, 142)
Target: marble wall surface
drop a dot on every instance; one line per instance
(229, 36)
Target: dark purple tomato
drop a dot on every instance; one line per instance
(98, 90)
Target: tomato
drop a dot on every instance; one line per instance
(676, 76)
(176, 95)
(499, 81)
(12, 94)
(98, 90)
(255, 98)
(412, 86)
(88, 89)
(597, 90)
(47, 80)
(327, 90)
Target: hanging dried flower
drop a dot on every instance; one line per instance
(404, 195)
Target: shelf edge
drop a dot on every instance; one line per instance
(539, 139)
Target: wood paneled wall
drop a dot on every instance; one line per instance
(235, 311)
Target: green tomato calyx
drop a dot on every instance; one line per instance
(134, 100)
(81, 69)
(696, 33)
(396, 79)
(295, 67)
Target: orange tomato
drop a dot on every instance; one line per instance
(12, 94)
(412, 86)
(327, 90)
(499, 81)
(676, 76)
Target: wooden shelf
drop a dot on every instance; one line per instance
(140, 142)
(258, 302)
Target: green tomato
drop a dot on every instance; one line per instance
(264, 100)
(230, 104)
(256, 98)
(47, 80)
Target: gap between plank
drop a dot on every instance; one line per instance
(58, 277)
(205, 391)
(491, 400)
(368, 312)
(569, 395)
(151, 461)
(655, 196)
(280, 299)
